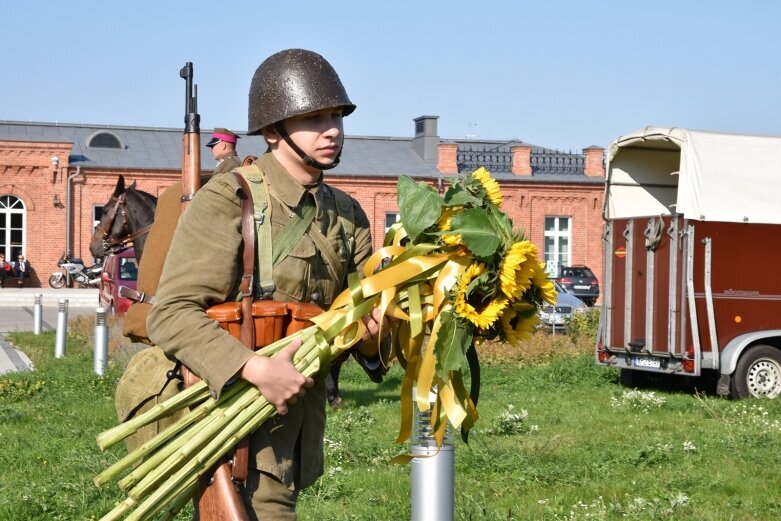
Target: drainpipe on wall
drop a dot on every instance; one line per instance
(69, 212)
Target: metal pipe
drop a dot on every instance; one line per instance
(62, 328)
(37, 313)
(101, 341)
(432, 474)
(69, 211)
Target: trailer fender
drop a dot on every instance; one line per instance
(731, 353)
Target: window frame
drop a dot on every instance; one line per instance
(553, 259)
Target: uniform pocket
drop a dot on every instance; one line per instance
(292, 274)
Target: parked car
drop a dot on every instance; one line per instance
(581, 282)
(555, 318)
(119, 269)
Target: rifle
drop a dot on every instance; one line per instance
(218, 497)
(191, 138)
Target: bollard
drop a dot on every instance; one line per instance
(432, 477)
(62, 328)
(37, 313)
(101, 340)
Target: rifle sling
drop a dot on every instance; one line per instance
(248, 262)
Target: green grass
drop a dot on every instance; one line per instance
(558, 439)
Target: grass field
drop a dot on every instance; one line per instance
(558, 439)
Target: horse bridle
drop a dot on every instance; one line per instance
(108, 242)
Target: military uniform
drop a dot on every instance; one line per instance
(228, 163)
(231, 161)
(203, 268)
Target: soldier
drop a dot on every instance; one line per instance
(297, 102)
(223, 147)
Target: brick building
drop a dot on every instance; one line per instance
(55, 178)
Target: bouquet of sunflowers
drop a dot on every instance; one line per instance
(451, 274)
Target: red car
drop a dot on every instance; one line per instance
(120, 269)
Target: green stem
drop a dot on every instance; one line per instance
(209, 456)
(181, 400)
(274, 348)
(178, 502)
(237, 427)
(156, 460)
(217, 421)
(162, 438)
(119, 510)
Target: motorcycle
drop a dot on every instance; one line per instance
(73, 268)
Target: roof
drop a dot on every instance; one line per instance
(706, 176)
(153, 148)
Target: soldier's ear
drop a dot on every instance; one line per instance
(271, 136)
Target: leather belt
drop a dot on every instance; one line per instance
(136, 296)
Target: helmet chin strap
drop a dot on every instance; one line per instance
(308, 161)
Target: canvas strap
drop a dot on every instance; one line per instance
(300, 223)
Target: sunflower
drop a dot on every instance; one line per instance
(492, 189)
(485, 317)
(516, 326)
(541, 280)
(445, 223)
(512, 276)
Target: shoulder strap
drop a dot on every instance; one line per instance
(248, 262)
(268, 256)
(262, 206)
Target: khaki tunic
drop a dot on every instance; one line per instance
(203, 268)
(228, 163)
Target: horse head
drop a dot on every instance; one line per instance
(126, 218)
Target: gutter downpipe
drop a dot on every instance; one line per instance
(69, 211)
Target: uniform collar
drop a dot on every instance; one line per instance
(287, 189)
(223, 158)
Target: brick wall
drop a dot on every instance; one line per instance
(26, 171)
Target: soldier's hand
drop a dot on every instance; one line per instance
(372, 322)
(370, 341)
(276, 377)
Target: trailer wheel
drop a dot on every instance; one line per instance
(758, 373)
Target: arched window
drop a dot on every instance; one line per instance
(104, 140)
(12, 217)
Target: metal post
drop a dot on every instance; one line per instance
(101, 341)
(62, 328)
(37, 313)
(432, 477)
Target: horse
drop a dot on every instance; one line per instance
(127, 217)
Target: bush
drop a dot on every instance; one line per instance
(584, 324)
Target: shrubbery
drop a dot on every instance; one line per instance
(585, 324)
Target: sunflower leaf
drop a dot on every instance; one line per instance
(457, 196)
(419, 205)
(477, 230)
(453, 341)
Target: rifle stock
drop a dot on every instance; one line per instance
(218, 497)
(191, 138)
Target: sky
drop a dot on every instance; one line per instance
(558, 74)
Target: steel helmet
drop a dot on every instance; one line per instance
(290, 83)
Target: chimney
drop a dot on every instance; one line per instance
(448, 158)
(426, 139)
(522, 159)
(594, 163)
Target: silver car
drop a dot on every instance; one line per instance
(555, 318)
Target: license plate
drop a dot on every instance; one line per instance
(646, 361)
(582, 287)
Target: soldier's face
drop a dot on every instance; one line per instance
(319, 134)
